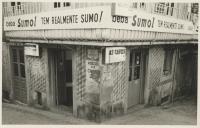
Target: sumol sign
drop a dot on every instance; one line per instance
(115, 54)
(93, 17)
(98, 17)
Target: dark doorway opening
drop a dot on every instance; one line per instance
(64, 77)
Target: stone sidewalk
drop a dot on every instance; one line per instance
(182, 112)
(22, 114)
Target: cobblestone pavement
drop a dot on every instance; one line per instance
(182, 112)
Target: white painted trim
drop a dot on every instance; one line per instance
(100, 43)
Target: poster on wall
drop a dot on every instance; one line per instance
(92, 76)
(115, 54)
(31, 49)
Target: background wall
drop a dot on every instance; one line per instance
(37, 77)
(6, 72)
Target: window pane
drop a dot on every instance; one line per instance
(22, 70)
(14, 55)
(55, 4)
(68, 4)
(136, 72)
(58, 4)
(68, 65)
(167, 67)
(131, 58)
(21, 56)
(130, 74)
(137, 58)
(12, 3)
(15, 69)
(130, 65)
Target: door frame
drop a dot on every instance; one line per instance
(143, 68)
(18, 78)
(53, 91)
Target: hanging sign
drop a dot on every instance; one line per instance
(115, 54)
(31, 49)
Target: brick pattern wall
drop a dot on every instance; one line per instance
(156, 60)
(37, 77)
(20, 90)
(36, 72)
(81, 72)
(119, 82)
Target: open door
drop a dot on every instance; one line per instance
(135, 78)
(64, 78)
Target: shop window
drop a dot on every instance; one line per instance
(18, 62)
(167, 66)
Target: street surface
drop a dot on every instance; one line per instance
(182, 112)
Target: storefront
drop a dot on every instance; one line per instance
(97, 67)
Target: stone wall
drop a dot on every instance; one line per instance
(36, 72)
(6, 72)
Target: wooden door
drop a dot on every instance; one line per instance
(64, 77)
(60, 77)
(68, 78)
(19, 80)
(135, 83)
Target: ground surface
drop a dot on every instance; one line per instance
(182, 112)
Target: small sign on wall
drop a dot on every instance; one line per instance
(31, 49)
(115, 54)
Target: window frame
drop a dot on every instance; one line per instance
(168, 62)
(133, 65)
(18, 62)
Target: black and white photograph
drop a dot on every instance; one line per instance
(100, 63)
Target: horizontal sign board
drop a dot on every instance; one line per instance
(98, 17)
(94, 17)
(115, 54)
(31, 49)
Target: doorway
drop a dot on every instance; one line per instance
(18, 74)
(62, 60)
(136, 77)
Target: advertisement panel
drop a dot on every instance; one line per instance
(99, 17)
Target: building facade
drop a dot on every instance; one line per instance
(99, 59)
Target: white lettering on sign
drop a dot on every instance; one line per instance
(115, 54)
(31, 49)
(98, 17)
(144, 21)
(93, 17)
